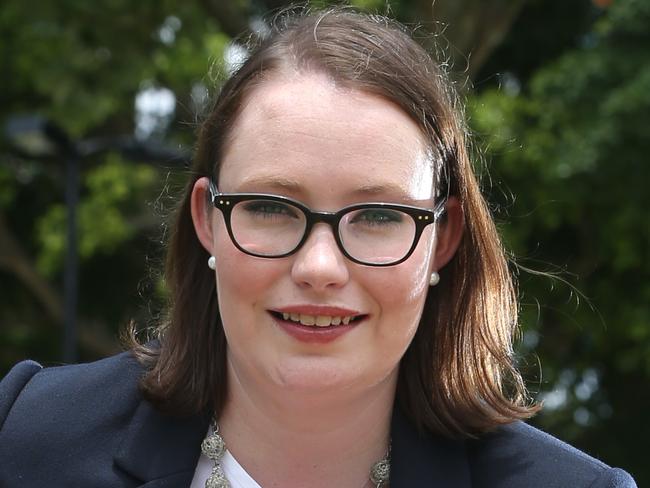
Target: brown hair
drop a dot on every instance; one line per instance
(457, 377)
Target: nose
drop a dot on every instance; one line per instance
(319, 264)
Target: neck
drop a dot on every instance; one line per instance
(306, 438)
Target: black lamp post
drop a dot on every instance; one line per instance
(39, 138)
(70, 276)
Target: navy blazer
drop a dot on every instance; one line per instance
(88, 426)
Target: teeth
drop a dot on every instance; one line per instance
(307, 319)
(323, 321)
(317, 320)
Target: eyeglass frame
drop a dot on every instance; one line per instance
(422, 217)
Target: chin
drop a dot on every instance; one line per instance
(314, 374)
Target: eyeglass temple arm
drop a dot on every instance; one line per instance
(440, 209)
(214, 191)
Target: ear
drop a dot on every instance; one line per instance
(450, 232)
(202, 214)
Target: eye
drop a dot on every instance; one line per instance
(378, 217)
(270, 209)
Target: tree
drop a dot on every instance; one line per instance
(82, 66)
(570, 142)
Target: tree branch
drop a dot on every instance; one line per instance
(232, 16)
(92, 338)
(13, 259)
(473, 28)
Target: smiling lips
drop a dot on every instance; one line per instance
(316, 324)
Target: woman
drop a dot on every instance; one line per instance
(341, 315)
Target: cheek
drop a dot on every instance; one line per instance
(412, 276)
(402, 287)
(402, 291)
(241, 280)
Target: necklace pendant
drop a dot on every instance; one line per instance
(380, 473)
(217, 479)
(214, 447)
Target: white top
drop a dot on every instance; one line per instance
(235, 473)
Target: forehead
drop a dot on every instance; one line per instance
(307, 133)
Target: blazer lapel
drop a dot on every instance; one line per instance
(425, 460)
(160, 450)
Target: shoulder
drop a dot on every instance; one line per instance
(13, 383)
(88, 425)
(65, 416)
(32, 397)
(520, 455)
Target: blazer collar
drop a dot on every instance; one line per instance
(424, 460)
(161, 450)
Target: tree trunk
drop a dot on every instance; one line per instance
(471, 29)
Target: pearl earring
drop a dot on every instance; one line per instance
(435, 279)
(212, 262)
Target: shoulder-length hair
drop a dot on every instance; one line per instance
(457, 377)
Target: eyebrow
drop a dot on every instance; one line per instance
(270, 184)
(382, 189)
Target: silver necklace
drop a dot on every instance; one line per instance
(214, 447)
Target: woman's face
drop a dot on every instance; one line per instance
(328, 147)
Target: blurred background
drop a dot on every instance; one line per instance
(99, 104)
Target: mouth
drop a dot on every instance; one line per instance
(317, 321)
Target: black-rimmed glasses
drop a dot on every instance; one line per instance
(373, 234)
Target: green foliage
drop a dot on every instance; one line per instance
(115, 190)
(87, 60)
(572, 147)
(81, 64)
(369, 5)
(7, 187)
